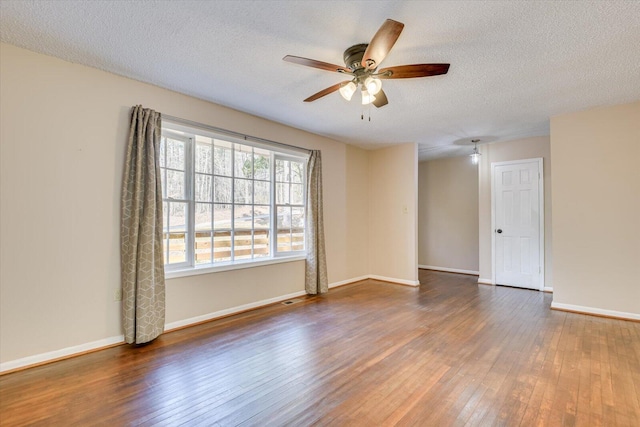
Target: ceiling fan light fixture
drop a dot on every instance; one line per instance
(361, 63)
(348, 90)
(373, 85)
(367, 98)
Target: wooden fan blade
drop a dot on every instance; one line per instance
(381, 99)
(381, 44)
(316, 64)
(326, 91)
(411, 71)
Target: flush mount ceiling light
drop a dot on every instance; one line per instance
(474, 141)
(475, 156)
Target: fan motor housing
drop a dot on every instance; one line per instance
(353, 56)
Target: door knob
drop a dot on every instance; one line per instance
(499, 230)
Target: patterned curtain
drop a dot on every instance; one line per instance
(316, 263)
(142, 263)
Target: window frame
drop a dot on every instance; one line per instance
(189, 200)
(289, 158)
(187, 134)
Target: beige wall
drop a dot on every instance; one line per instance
(63, 133)
(527, 148)
(448, 214)
(357, 203)
(393, 220)
(596, 209)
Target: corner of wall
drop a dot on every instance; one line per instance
(393, 196)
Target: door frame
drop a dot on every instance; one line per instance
(541, 230)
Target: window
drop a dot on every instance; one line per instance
(227, 201)
(290, 204)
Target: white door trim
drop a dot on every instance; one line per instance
(537, 160)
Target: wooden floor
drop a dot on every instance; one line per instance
(446, 354)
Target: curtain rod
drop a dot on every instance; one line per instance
(185, 122)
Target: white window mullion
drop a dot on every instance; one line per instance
(190, 154)
(233, 203)
(304, 203)
(213, 204)
(290, 206)
(273, 241)
(168, 240)
(165, 201)
(253, 203)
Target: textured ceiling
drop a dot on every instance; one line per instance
(513, 64)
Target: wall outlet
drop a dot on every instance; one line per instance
(117, 294)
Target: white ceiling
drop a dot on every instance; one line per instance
(514, 64)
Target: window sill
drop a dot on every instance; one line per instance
(174, 274)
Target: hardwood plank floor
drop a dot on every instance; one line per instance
(448, 353)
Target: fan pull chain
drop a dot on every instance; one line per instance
(368, 112)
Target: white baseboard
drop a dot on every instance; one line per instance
(393, 280)
(346, 282)
(449, 270)
(59, 354)
(107, 342)
(547, 289)
(229, 311)
(485, 281)
(596, 311)
(233, 310)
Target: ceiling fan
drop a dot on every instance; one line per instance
(362, 61)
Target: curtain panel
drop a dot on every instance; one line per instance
(142, 263)
(316, 262)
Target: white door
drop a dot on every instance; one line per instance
(517, 220)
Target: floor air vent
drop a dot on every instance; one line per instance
(291, 301)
